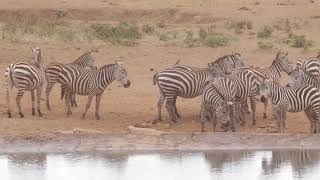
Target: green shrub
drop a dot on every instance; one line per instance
(216, 40)
(300, 41)
(265, 32)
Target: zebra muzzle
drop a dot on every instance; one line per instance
(127, 84)
(263, 99)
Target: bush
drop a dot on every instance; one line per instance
(147, 29)
(300, 41)
(265, 32)
(265, 45)
(216, 40)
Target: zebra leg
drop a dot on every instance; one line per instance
(98, 99)
(247, 107)
(170, 109)
(67, 100)
(175, 107)
(87, 106)
(203, 117)
(33, 100)
(253, 108)
(214, 120)
(309, 113)
(74, 100)
(48, 90)
(39, 92)
(265, 105)
(18, 101)
(8, 89)
(159, 105)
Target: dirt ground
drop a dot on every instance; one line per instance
(123, 107)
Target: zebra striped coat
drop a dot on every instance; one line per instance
(26, 77)
(279, 65)
(303, 98)
(91, 82)
(54, 69)
(188, 82)
(310, 66)
(213, 107)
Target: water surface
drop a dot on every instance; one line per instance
(240, 165)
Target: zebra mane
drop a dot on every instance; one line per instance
(106, 66)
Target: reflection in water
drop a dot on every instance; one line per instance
(163, 165)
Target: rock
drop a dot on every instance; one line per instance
(145, 131)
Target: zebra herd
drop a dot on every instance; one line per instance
(228, 83)
(79, 77)
(226, 86)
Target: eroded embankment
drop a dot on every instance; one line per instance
(158, 142)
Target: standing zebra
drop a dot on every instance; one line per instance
(310, 66)
(279, 65)
(285, 99)
(26, 77)
(188, 82)
(54, 69)
(91, 82)
(213, 107)
(226, 64)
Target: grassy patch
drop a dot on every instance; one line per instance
(265, 45)
(265, 32)
(147, 29)
(240, 26)
(216, 40)
(301, 41)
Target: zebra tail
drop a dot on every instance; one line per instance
(155, 78)
(8, 77)
(62, 91)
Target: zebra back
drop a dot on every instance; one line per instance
(85, 60)
(309, 65)
(226, 64)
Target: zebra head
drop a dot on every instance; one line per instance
(238, 60)
(296, 78)
(121, 74)
(223, 114)
(265, 89)
(215, 71)
(37, 58)
(282, 60)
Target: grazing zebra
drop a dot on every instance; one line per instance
(26, 77)
(54, 69)
(188, 82)
(91, 82)
(297, 99)
(216, 103)
(279, 65)
(310, 66)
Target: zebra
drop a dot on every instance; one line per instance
(52, 71)
(286, 99)
(310, 66)
(216, 102)
(279, 65)
(91, 82)
(188, 82)
(26, 77)
(226, 64)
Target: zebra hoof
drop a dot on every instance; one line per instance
(33, 112)
(9, 115)
(97, 116)
(21, 115)
(83, 116)
(264, 116)
(156, 121)
(69, 113)
(178, 116)
(40, 114)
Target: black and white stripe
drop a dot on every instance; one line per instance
(310, 66)
(213, 107)
(91, 82)
(279, 65)
(26, 77)
(183, 82)
(86, 60)
(303, 98)
(226, 64)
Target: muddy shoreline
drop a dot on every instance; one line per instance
(58, 143)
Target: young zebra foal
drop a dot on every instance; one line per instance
(303, 98)
(92, 82)
(26, 77)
